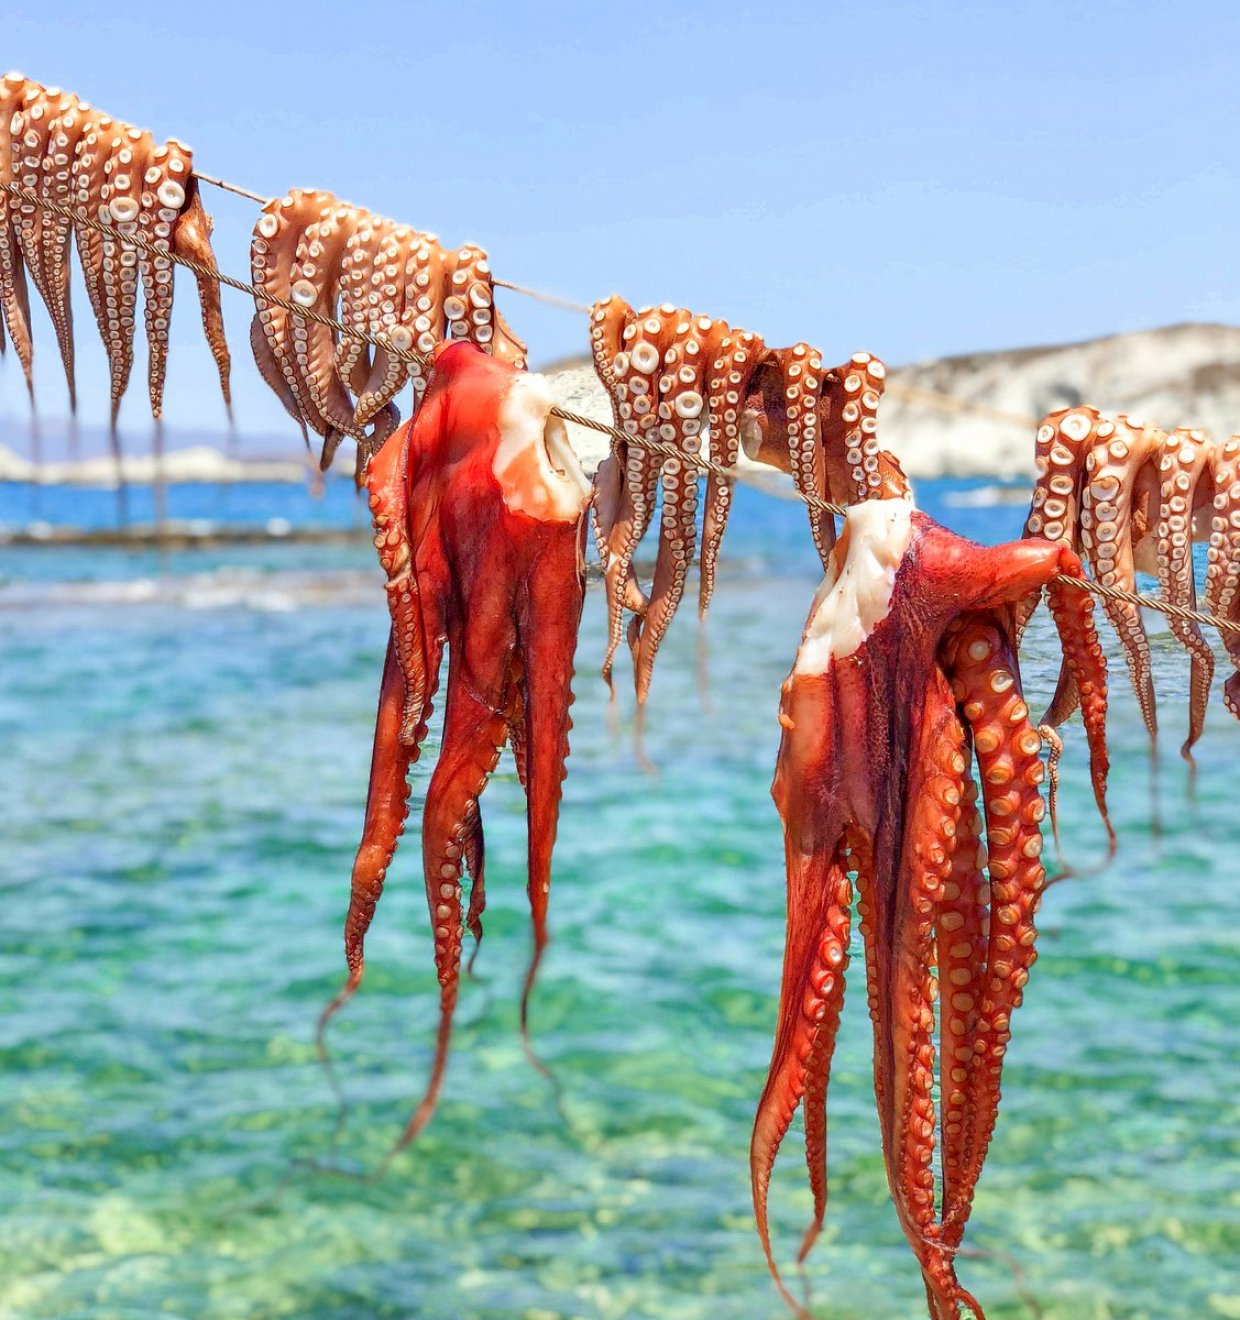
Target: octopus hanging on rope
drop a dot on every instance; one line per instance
(73, 155)
(479, 509)
(906, 676)
(672, 377)
(1129, 497)
(380, 279)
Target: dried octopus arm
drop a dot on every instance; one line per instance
(120, 206)
(862, 380)
(982, 662)
(56, 185)
(1183, 468)
(815, 950)
(315, 286)
(391, 317)
(901, 944)
(1073, 612)
(688, 350)
(388, 482)
(473, 737)
(548, 621)
(93, 150)
(738, 358)
(1113, 467)
(960, 945)
(1064, 441)
(371, 287)
(13, 291)
(40, 161)
(620, 519)
(278, 233)
(163, 197)
(191, 237)
(1222, 587)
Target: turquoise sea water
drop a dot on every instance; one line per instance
(185, 745)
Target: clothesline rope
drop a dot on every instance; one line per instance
(699, 461)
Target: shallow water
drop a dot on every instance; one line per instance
(186, 744)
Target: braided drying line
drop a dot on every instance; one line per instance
(698, 461)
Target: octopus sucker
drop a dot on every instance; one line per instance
(479, 513)
(1129, 497)
(906, 675)
(380, 279)
(73, 155)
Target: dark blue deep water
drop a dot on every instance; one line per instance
(185, 745)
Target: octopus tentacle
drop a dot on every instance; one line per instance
(13, 291)
(1008, 751)
(800, 369)
(907, 994)
(191, 237)
(1222, 588)
(42, 134)
(163, 197)
(622, 508)
(739, 356)
(388, 485)
(851, 434)
(1112, 467)
(474, 735)
(392, 317)
(121, 206)
(1073, 612)
(545, 634)
(1064, 440)
(1054, 754)
(1182, 463)
(278, 233)
(681, 407)
(811, 998)
(316, 283)
(960, 941)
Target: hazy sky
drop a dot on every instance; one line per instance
(915, 179)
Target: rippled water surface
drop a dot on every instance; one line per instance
(186, 742)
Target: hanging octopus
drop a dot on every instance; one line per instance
(380, 279)
(1129, 497)
(73, 155)
(673, 376)
(479, 511)
(905, 679)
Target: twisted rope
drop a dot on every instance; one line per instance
(666, 450)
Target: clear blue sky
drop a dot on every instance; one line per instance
(915, 179)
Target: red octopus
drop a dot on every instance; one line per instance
(676, 378)
(1130, 497)
(479, 510)
(73, 155)
(379, 278)
(907, 675)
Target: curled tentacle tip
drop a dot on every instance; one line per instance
(807, 1242)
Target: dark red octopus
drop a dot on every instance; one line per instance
(479, 511)
(906, 676)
